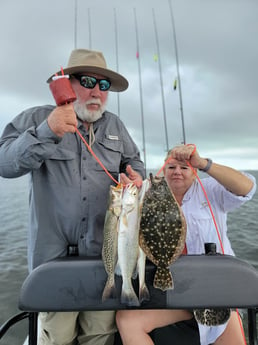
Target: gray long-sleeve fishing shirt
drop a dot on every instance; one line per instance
(68, 188)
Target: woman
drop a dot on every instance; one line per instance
(227, 189)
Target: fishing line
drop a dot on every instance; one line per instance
(97, 159)
(209, 204)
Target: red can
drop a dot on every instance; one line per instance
(62, 90)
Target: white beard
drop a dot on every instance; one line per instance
(89, 116)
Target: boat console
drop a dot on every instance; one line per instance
(77, 283)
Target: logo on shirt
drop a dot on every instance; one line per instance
(113, 137)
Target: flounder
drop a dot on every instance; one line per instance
(162, 230)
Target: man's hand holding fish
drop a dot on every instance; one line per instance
(131, 177)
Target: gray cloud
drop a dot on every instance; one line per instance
(217, 53)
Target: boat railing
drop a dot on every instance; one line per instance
(200, 281)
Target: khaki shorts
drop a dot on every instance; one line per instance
(72, 328)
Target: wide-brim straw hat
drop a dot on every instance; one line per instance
(90, 61)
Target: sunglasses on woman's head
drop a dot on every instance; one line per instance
(90, 82)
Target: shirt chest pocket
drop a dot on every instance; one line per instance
(110, 154)
(200, 215)
(62, 167)
(62, 154)
(200, 220)
(201, 227)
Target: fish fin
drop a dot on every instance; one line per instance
(144, 188)
(118, 269)
(128, 297)
(212, 317)
(144, 247)
(117, 211)
(109, 289)
(163, 279)
(125, 220)
(144, 294)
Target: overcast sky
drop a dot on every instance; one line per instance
(218, 65)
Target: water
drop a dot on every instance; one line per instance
(13, 244)
(242, 230)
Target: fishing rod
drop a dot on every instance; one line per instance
(117, 62)
(161, 80)
(140, 87)
(178, 73)
(75, 23)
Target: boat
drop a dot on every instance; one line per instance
(76, 283)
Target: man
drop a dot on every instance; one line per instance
(68, 187)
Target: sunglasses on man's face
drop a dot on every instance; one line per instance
(90, 82)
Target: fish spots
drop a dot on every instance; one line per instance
(162, 230)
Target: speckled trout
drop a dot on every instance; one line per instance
(110, 240)
(128, 243)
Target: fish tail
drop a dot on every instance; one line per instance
(144, 294)
(128, 296)
(163, 279)
(110, 289)
(212, 317)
